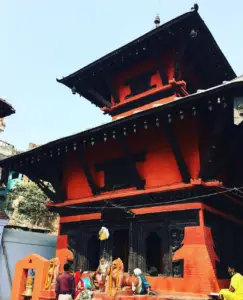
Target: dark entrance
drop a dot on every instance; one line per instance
(93, 252)
(154, 254)
(120, 246)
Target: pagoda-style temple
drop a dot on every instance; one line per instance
(165, 176)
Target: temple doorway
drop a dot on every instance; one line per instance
(93, 252)
(154, 254)
(120, 246)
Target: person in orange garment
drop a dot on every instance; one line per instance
(235, 291)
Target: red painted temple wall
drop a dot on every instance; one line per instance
(158, 169)
(123, 90)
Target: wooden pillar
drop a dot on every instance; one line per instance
(167, 265)
(83, 251)
(141, 256)
(133, 249)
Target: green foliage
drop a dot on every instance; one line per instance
(29, 201)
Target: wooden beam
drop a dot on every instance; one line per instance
(218, 129)
(46, 190)
(52, 196)
(161, 68)
(4, 175)
(112, 89)
(55, 178)
(139, 183)
(177, 152)
(94, 188)
(99, 97)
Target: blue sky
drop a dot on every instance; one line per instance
(47, 39)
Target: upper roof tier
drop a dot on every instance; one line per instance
(97, 81)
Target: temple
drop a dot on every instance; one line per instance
(165, 175)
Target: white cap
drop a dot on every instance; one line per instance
(137, 272)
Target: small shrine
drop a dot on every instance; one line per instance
(160, 177)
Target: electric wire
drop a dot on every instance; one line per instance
(115, 206)
(127, 207)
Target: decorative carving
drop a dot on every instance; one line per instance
(177, 236)
(176, 239)
(117, 278)
(52, 273)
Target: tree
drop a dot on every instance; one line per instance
(28, 202)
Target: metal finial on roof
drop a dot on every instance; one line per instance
(157, 21)
(195, 7)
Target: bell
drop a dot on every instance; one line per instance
(28, 291)
(29, 287)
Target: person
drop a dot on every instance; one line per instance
(78, 283)
(100, 274)
(235, 291)
(65, 285)
(140, 286)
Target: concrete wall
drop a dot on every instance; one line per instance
(19, 244)
(3, 223)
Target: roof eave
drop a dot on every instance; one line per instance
(119, 50)
(229, 85)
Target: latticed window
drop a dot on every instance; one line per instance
(140, 84)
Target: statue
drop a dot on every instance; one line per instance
(116, 277)
(100, 275)
(141, 286)
(52, 274)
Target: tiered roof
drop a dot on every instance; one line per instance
(203, 55)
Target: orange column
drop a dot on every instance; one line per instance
(199, 260)
(62, 251)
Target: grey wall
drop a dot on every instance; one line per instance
(19, 244)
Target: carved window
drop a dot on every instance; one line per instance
(15, 175)
(140, 84)
(178, 268)
(117, 173)
(177, 236)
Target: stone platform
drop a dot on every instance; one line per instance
(128, 295)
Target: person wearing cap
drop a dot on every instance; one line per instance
(140, 286)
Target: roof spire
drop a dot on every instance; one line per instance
(157, 21)
(195, 7)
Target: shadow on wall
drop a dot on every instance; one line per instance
(17, 244)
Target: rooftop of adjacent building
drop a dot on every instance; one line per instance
(6, 109)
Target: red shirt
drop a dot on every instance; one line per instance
(65, 284)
